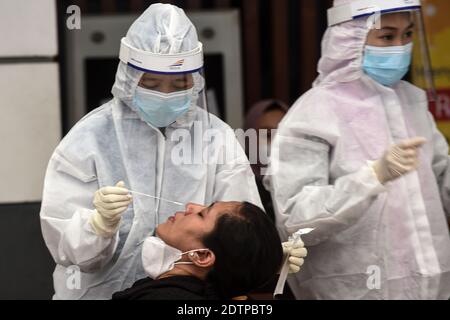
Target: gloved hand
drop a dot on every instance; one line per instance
(398, 160)
(297, 252)
(110, 203)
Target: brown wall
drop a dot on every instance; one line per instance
(281, 39)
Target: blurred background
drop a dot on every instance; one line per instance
(55, 69)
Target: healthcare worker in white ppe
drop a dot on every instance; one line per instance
(92, 225)
(361, 161)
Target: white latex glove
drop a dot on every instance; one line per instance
(297, 252)
(399, 160)
(110, 203)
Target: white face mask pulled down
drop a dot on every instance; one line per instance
(159, 258)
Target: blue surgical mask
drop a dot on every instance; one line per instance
(387, 65)
(162, 109)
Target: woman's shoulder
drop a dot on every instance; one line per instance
(97, 123)
(94, 120)
(313, 114)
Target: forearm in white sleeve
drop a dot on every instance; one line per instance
(65, 212)
(304, 195)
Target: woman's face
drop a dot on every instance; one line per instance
(185, 230)
(397, 29)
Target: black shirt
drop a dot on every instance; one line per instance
(173, 288)
(266, 199)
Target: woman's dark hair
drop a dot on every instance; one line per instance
(248, 251)
(276, 106)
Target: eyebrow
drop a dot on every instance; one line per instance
(387, 28)
(210, 207)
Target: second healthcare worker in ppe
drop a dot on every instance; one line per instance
(361, 161)
(96, 241)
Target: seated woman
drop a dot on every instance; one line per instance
(219, 252)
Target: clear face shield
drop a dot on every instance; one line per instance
(399, 25)
(172, 86)
(422, 71)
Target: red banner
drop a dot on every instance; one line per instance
(441, 108)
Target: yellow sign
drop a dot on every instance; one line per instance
(437, 23)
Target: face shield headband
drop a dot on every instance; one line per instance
(182, 63)
(364, 8)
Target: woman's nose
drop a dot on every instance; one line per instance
(405, 42)
(399, 42)
(165, 88)
(193, 207)
(179, 214)
(189, 207)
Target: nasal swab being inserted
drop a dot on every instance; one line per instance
(157, 198)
